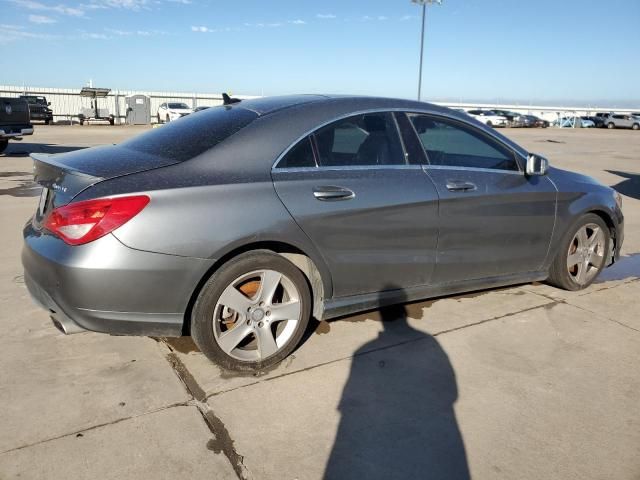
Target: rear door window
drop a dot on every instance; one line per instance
(362, 140)
(300, 156)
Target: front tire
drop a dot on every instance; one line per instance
(582, 255)
(611, 125)
(3, 145)
(167, 119)
(489, 124)
(252, 313)
(635, 126)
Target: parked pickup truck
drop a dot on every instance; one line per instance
(39, 108)
(14, 120)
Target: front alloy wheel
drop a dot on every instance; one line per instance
(582, 255)
(253, 312)
(586, 253)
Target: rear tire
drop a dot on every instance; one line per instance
(3, 145)
(582, 255)
(635, 126)
(611, 125)
(263, 297)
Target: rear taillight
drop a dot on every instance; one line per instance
(84, 222)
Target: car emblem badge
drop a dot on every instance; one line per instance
(7, 108)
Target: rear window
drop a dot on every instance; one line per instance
(192, 135)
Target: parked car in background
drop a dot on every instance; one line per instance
(240, 223)
(597, 121)
(489, 118)
(619, 120)
(573, 122)
(603, 116)
(39, 108)
(526, 121)
(169, 111)
(515, 119)
(537, 122)
(14, 120)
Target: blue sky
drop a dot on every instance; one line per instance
(484, 50)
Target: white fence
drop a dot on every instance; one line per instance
(67, 103)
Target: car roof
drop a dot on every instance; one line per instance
(268, 105)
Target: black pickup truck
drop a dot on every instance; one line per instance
(39, 108)
(14, 120)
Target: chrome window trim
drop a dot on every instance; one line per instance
(354, 168)
(473, 169)
(274, 165)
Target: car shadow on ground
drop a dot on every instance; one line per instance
(627, 267)
(630, 186)
(397, 416)
(23, 149)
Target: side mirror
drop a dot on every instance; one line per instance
(48, 104)
(536, 165)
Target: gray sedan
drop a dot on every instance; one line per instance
(238, 224)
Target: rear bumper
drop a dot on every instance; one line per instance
(107, 287)
(13, 131)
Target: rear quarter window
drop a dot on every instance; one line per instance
(192, 135)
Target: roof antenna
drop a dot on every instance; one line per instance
(227, 100)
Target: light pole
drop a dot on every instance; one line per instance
(424, 4)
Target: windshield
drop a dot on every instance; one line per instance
(179, 105)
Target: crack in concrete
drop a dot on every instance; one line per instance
(564, 301)
(94, 427)
(386, 347)
(221, 441)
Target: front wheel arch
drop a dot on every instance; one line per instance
(606, 218)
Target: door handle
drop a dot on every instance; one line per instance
(460, 186)
(330, 192)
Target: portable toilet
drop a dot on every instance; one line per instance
(138, 110)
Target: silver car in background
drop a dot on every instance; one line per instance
(620, 120)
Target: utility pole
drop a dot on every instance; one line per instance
(423, 4)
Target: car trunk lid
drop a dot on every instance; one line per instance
(64, 176)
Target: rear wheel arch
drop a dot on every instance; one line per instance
(319, 284)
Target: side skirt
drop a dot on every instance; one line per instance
(338, 307)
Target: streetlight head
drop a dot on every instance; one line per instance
(427, 2)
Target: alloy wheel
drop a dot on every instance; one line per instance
(586, 253)
(257, 315)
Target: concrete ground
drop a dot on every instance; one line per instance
(528, 382)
